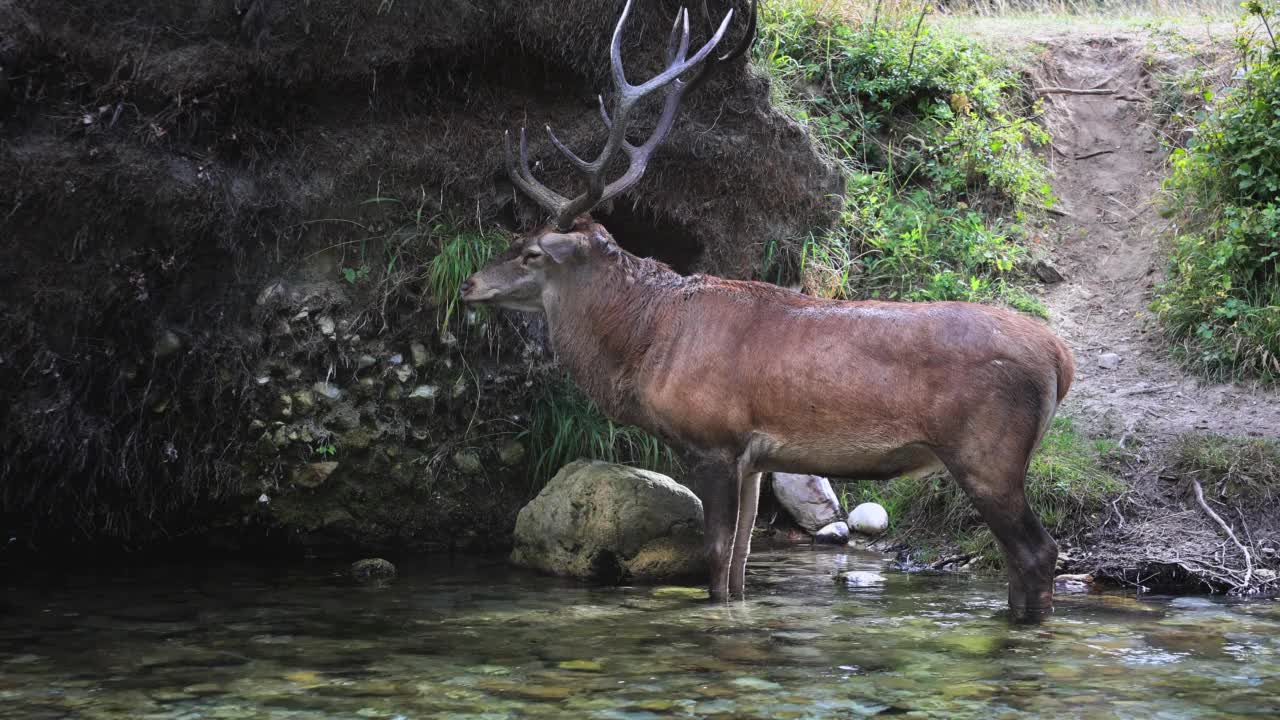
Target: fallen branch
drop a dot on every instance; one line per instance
(1095, 153)
(1248, 561)
(1145, 390)
(953, 560)
(1073, 91)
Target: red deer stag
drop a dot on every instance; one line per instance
(748, 377)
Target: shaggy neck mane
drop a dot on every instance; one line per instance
(603, 325)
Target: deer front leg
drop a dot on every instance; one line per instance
(718, 485)
(748, 504)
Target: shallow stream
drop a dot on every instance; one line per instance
(475, 639)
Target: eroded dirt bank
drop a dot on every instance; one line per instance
(1109, 165)
(217, 218)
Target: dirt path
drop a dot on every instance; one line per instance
(1108, 168)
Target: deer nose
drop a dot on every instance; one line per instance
(467, 285)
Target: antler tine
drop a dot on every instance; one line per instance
(615, 49)
(550, 200)
(679, 68)
(627, 96)
(678, 51)
(604, 113)
(748, 39)
(578, 162)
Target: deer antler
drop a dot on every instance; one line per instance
(627, 96)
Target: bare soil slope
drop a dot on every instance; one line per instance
(1109, 165)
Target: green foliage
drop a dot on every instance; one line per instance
(326, 450)
(355, 275)
(566, 426)
(460, 254)
(1235, 468)
(1220, 303)
(403, 242)
(937, 145)
(1068, 484)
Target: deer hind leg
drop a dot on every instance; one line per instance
(717, 484)
(748, 504)
(998, 492)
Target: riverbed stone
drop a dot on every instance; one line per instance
(869, 519)
(372, 570)
(612, 523)
(837, 533)
(809, 500)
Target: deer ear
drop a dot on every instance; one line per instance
(561, 247)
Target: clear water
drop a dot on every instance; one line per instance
(474, 639)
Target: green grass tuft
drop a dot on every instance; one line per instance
(566, 426)
(461, 254)
(1234, 468)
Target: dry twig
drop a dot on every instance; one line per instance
(1074, 91)
(1248, 560)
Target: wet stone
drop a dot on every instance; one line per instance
(372, 570)
(327, 391)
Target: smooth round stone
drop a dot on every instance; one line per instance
(869, 519)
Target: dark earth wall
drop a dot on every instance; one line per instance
(183, 182)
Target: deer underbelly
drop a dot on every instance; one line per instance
(869, 460)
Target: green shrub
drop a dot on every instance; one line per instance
(1220, 303)
(937, 145)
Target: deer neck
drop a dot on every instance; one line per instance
(603, 325)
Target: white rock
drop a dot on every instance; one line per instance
(869, 519)
(418, 352)
(860, 578)
(837, 533)
(326, 390)
(809, 500)
(424, 392)
(1109, 361)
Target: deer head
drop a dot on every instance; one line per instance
(517, 279)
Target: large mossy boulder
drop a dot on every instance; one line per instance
(612, 523)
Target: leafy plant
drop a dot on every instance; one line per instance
(1220, 302)
(938, 149)
(326, 450)
(355, 275)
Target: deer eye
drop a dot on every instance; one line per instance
(528, 255)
